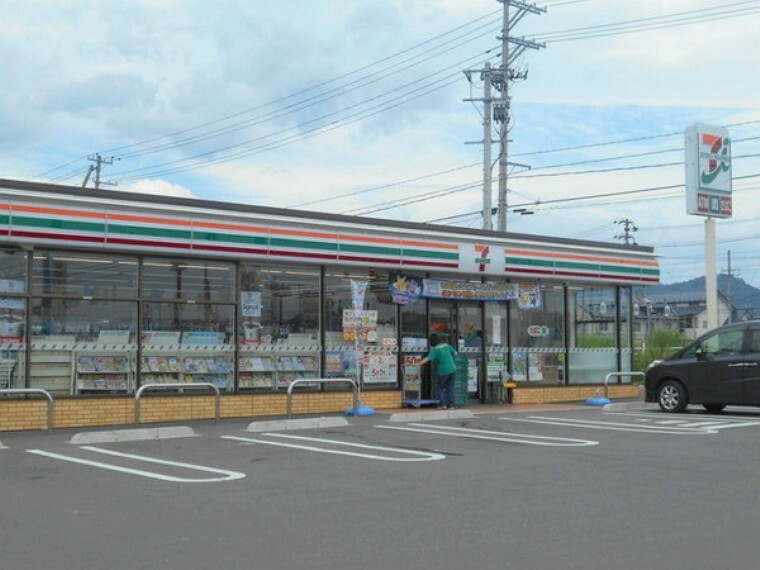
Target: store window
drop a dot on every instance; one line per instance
(414, 347)
(626, 332)
(82, 346)
(188, 280)
(13, 269)
(83, 319)
(538, 338)
(187, 322)
(593, 334)
(84, 275)
(279, 325)
(360, 317)
(497, 344)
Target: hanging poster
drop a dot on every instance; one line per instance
(519, 366)
(405, 289)
(358, 288)
(535, 370)
(528, 296)
(250, 303)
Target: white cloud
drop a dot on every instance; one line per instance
(159, 188)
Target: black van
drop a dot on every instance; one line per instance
(720, 368)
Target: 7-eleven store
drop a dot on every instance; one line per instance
(104, 292)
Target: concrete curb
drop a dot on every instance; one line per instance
(296, 424)
(141, 434)
(432, 415)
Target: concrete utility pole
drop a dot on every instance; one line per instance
(501, 113)
(99, 162)
(496, 109)
(485, 75)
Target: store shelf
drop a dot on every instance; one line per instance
(103, 372)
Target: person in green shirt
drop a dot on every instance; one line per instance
(443, 355)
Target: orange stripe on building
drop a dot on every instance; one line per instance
(57, 211)
(417, 243)
(234, 227)
(302, 233)
(148, 220)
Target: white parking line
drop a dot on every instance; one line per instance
(494, 435)
(420, 455)
(608, 426)
(227, 475)
(721, 423)
(661, 427)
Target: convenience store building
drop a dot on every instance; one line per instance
(103, 292)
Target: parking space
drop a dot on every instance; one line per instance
(387, 490)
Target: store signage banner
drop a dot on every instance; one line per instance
(405, 289)
(467, 291)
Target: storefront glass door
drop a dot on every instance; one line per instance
(461, 325)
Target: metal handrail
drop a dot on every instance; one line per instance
(611, 374)
(355, 390)
(177, 385)
(50, 402)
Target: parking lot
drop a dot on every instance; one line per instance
(565, 488)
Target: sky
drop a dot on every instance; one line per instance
(362, 107)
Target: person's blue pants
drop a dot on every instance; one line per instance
(446, 389)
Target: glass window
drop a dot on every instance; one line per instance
(81, 319)
(626, 342)
(360, 318)
(191, 323)
(84, 274)
(188, 279)
(592, 330)
(279, 304)
(537, 336)
(13, 272)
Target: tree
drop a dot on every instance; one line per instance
(660, 344)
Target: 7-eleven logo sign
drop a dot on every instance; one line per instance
(483, 259)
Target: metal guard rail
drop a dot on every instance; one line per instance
(619, 374)
(354, 388)
(178, 385)
(50, 402)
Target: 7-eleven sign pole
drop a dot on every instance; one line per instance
(708, 193)
(711, 275)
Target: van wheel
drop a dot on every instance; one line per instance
(714, 408)
(672, 397)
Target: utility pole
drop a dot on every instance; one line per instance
(506, 75)
(628, 229)
(485, 75)
(96, 168)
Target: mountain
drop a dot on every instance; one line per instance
(744, 296)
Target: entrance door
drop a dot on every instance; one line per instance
(470, 344)
(460, 323)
